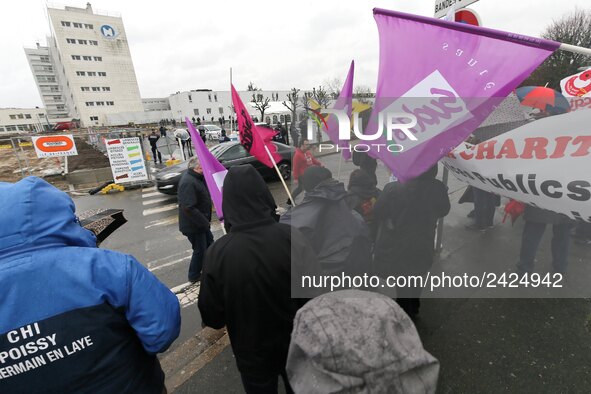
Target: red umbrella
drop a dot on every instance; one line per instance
(546, 99)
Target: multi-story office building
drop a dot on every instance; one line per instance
(86, 71)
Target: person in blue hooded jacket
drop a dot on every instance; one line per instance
(74, 318)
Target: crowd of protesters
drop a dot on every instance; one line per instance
(58, 287)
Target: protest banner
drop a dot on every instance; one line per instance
(544, 163)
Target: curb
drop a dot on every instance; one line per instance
(192, 355)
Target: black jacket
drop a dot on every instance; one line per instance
(408, 214)
(246, 280)
(338, 235)
(194, 203)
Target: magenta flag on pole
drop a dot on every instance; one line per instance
(449, 76)
(213, 171)
(252, 137)
(343, 102)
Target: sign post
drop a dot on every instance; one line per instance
(127, 161)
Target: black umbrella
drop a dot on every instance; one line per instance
(102, 223)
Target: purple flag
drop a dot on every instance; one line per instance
(343, 102)
(449, 76)
(213, 171)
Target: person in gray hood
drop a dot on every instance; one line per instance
(354, 341)
(338, 235)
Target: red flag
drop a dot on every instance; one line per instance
(256, 140)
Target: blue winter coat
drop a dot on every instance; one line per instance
(74, 318)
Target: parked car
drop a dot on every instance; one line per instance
(229, 154)
(72, 124)
(212, 131)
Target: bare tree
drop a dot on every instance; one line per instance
(362, 94)
(252, 88)
(292, 104)
(321, 96)
(261, 104)
(574, 29)
(333, 87)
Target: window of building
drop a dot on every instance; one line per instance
(22, 127)
(98, 59)
(12, 116)
(41, 115)
(92, 73)
(93, 118)
(106, 89)
(61, 108)
(10, 128)
(111, 103)
(93, 42)
(57, 98)
(27, 116)
(75, 57)
(209, 97)
(102, 74)
(208, 110)
(21, 116)
(88, 58)
(195, 111)
(99, 103)
(44, 59)
(80, 73)
(70, 40)
(90, 103)
(65, 24)
(88, 26)
(215, 97)
(221, 111)
(85, 88)
(190, 98)
(96, 89)
(77, 25)
(47, 68)
(83, 42)
(50, 79)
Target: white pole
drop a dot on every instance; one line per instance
(280, 177)
(181, 148)
(340, 164)
(575, 49)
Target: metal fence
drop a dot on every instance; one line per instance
(18, 158)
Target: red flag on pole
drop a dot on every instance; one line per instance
(252, 137)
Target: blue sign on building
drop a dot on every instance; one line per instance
(108, 31)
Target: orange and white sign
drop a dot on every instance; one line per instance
(578, 85)
(55, 146)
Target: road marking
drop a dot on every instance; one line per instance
(163, 208)
(152, 194)
(156, 200)
(163, 222)
(154, 263)
(173, 262)
(149, 189)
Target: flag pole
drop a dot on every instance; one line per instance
(575, 49)
(280, 177)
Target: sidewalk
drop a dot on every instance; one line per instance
(483, 345)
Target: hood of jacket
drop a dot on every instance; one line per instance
(247, 200)
(37, 215)
(330, 189)
(358, 342)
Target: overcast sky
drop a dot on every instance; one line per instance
(276, 44)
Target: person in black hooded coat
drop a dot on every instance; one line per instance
(408, 214)
(337, 234)
(246, 280)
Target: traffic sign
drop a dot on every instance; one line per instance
(55, 146)
(468, 16)
(443, 6)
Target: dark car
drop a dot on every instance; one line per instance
(229, 154)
